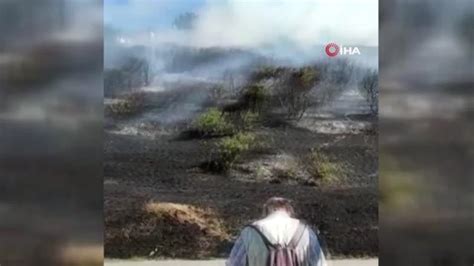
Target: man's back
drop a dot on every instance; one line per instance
(279, 228)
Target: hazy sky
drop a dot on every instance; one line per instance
(251, 23)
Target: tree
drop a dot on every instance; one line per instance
(335, 77)
(369, 87)
(185, 21)
(137, 72)
(293, 87)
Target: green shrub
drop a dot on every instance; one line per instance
(321, 168)
(213, 123)
(231, 148)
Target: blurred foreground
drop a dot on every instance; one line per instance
(426, 128)
(355, 262)
(50, 132)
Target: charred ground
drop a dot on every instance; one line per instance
(324, 159)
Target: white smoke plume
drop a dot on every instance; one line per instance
(262, 23)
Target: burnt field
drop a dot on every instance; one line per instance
(187, 166)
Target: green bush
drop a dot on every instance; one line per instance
(231, 148)
(213, 123)
(321, 168)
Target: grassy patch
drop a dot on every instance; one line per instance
(230, 149)
(213, 124)
(290, 172)
(155, 229)
(322, 168)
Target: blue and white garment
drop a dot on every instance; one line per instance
(279, 228)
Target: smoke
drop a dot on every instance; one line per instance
(302, 23)
(256, 24)
(227, 40)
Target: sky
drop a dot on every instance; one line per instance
(135, 15)
(251, 23)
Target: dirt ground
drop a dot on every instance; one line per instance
(147, 162)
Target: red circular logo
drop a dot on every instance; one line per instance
(332, 49)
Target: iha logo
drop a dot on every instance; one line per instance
(333, 50)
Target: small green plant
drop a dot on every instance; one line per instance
(213, 123)
(321, 168)
(231, 148)
(252, 99)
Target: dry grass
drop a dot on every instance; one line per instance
(286, 167)
(152, 229)
(205, 219)
(130, 104)
(323, 169)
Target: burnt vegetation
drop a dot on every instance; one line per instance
(133, 73)
(240, 134)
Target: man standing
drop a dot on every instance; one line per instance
(277, 239)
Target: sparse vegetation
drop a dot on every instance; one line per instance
(267, 72)
(322, 169)
(335, 76)
(114, 82)
(369, 87)
(213, 123)
(133, 73)
(294, 91)
(252, 99)
(288, 170)
(230, 149)
(254, 96)
(290, 87)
